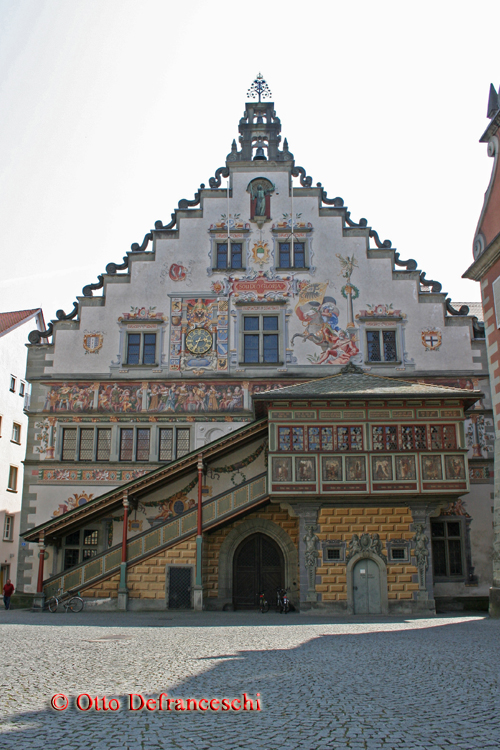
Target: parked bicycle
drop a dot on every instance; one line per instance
(282, 601)
(263, 603)
(68, 600)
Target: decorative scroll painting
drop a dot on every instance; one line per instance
(142, 313)
(75, 501)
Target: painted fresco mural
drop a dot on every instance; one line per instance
(75, 501)
(179, 397)
(320, 315)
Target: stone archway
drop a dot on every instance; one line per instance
(382, 569)
(232, 542)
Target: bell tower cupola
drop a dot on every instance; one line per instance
(260, 129)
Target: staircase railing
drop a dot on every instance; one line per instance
(163, 535)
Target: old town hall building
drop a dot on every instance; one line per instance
(262, 394)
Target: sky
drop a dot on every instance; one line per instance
(114, 110)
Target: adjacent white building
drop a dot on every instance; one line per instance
(14, 397)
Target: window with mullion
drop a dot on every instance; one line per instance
(141, 349)
(259, 344)
(384, 437)
(381, 346)
(229, 255)
(291, 255)
(447, 555)
(443, 437)
(350, 438)
(413, 438)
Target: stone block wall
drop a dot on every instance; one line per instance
(340, 524)
(213, 541)
(146, 579)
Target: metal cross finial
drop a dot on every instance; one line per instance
(259, 88)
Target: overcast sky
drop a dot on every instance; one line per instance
(113, 110)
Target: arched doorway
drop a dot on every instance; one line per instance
(366, 588)
(257, 566)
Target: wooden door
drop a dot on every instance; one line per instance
(366, 584)
(258, 566)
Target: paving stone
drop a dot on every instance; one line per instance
(380, 684)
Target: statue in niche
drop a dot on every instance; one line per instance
(260, 199)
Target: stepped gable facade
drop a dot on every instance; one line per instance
(258, 287)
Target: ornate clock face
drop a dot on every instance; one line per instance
(199, 341)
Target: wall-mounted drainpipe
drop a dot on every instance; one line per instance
(123, 590)
(198, 587)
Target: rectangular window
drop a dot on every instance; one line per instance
(285, 259)
(12, 384)
(236, 255)
(69, 445)
(71, 558)
(90, 537)
(229, 255)
(174, 443)
(350, 438)
(12, 479)
(291, 255)
(398, 553)
(133, 348)
(385, 438)
(443, 437)
(447, 548)
(22, 387)
(142, 445)
(8, 528)
(182, 442)
(381, 346)
(320, 438)
(413, 438)
(16, 433)
(126, 444)
(222, 255)
(260, 339)
(141, 349)
(103, 445)
(86, 451)
(333, 553)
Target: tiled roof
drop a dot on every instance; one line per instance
(359, 384)
(475, 308)
(10, 319)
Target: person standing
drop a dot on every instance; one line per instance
(8, 590)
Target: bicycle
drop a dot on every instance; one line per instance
(263, 603)
(282, 601)
(70, 602)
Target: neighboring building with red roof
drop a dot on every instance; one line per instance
(486, 269)
(14, 397)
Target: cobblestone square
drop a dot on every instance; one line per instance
(323, 683)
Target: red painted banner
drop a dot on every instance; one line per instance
(259, 286)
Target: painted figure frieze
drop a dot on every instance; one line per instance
(179, 397)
